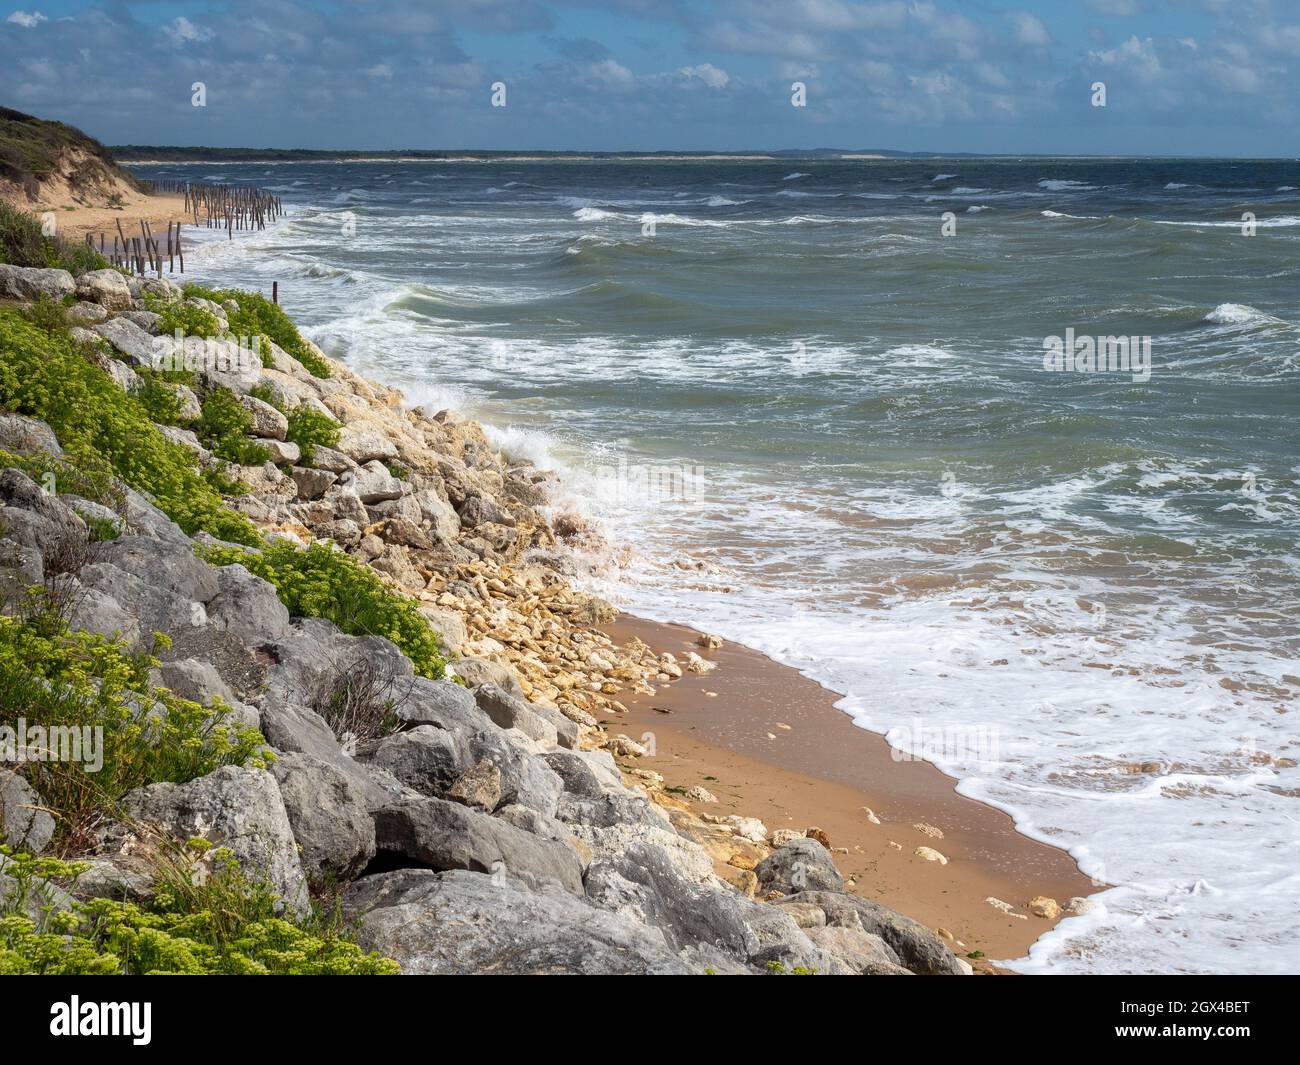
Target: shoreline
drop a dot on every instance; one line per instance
(769, 743)
(75, 220)
(987, 856)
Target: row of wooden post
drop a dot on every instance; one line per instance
(228, 207)
(213, 206)
(143, 253)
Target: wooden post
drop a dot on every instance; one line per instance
(275, 292)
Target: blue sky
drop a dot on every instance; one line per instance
(1183, 77)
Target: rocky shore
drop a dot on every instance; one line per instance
(500, 821)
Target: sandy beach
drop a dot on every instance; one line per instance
(770, 744)
(75, 220)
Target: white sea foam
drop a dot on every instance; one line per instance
(818, 576)
(1238, 314)
(1064, 185)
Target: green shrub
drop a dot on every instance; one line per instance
(309, 428)
(221, 923)
(258, 316)
(47, 314)
(23, 244)
(191, 320)
(55, 677)
(100, 426)
(158, 398)
(224, 426)
(320, 582)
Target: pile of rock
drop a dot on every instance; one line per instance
(493, 829)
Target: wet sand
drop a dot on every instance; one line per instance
(821, 770)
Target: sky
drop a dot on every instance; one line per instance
(1181, 77)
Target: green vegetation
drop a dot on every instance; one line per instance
(102, 429)
(266, 394)
(191, 319)
(309, 428)
(47, 314)
(224, 426)
(32, 149)
(23, 244)
(91, 480)
(222, 922)
(776, 968)
(82, 680)
(159, 398)
(320, 582)
(258, 316)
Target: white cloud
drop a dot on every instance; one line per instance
(379, 70)
(182, 31)
(1137, 57)
(712, 76)
(1030, 30)
(28, 20)
(611, 75)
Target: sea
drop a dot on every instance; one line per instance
(1004, 451)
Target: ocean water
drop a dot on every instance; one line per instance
(810, 421)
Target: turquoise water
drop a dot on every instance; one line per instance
(810, 420)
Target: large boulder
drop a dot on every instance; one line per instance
(915, 946)
(27, 436)
(233, 807)
(137, 347)
(478, 671)
(329, 815)
(801, 865)
(444, 835)
(25, 823)
(372, 483)
(267, 421)
(362, 444)
(107, 288)
(33, 283)
(864, 953)
(510, 713)
(467, 923)
(248, 607)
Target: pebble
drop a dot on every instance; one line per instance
(928, 830)
(1006, 908)
(931, 855)
(1042, 906)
